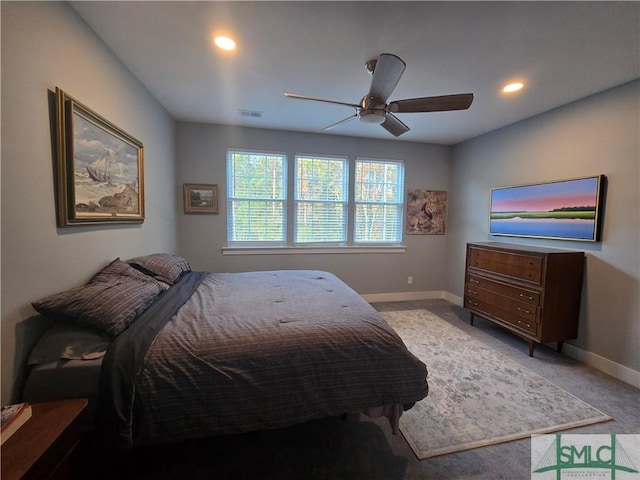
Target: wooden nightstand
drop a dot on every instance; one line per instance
(42, 446)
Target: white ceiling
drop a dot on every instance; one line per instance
(563, 51)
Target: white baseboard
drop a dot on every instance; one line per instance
(626, 374)
(408, 296)
(456, 300)
(616, 370)
(402, 296)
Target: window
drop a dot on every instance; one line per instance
(321, 199)
(331, 201)
(379, 201)
(257, 197)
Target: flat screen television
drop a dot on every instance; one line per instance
(563, 209)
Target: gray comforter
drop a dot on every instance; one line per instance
(259, 350)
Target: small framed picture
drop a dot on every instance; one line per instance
(200, 198)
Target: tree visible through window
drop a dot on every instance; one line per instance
(379, 201)
(321, 197)
(257, 196)
(321, 208)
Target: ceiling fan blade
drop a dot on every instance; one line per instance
(386, 75)
(313, 99)
(442, 103)
(394, 126)
(344, 120)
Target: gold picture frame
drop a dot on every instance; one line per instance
(100, 168)
(200, 198)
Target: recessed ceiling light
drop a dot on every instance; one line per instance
(225, 43)
(513, 87)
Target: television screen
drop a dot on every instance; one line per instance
(564, 209)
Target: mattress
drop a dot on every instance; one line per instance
(62, 379)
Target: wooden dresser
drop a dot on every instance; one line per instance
(533, 292)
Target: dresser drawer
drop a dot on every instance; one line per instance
(495, 312)
(514, 307)
(525, 267)
(524, 295)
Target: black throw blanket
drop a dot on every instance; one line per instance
(125, 360)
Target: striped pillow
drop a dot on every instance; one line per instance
(120, 271)
(164, 265)
(111, 300)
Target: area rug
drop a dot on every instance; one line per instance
(477, 396)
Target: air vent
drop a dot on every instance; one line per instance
(250, 113)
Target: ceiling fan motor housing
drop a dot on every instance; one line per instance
(373, 110)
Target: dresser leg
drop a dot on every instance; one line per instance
(472, 316)
(560, 345)
(532, 345)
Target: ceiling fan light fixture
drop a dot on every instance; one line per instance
(373, 116)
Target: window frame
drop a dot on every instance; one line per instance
(346, 188)
(284, 201)
(289, 246)
(401, 204)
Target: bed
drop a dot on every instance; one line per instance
(166, 354)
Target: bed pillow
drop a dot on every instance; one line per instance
(67, 341)
(119, 271)
(111, 300)
(163, 266)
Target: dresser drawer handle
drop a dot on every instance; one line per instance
(472, 292)
(524, 310)
(473, 280)
(475, 304)
(529, 297)
(524, 323)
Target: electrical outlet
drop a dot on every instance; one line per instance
(409, 280)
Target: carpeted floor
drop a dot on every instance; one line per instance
(360, 448)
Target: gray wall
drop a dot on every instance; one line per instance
(596, 135)
(45, 45)
(202, 159)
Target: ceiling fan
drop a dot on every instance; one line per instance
(373, 108)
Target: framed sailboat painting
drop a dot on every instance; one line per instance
(100, 172)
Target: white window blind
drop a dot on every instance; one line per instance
(257, 197)
(321, 199)
(379, 201)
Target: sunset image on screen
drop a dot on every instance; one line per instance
(545, 197)
(563, 209)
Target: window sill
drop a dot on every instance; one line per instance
(311, 250)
